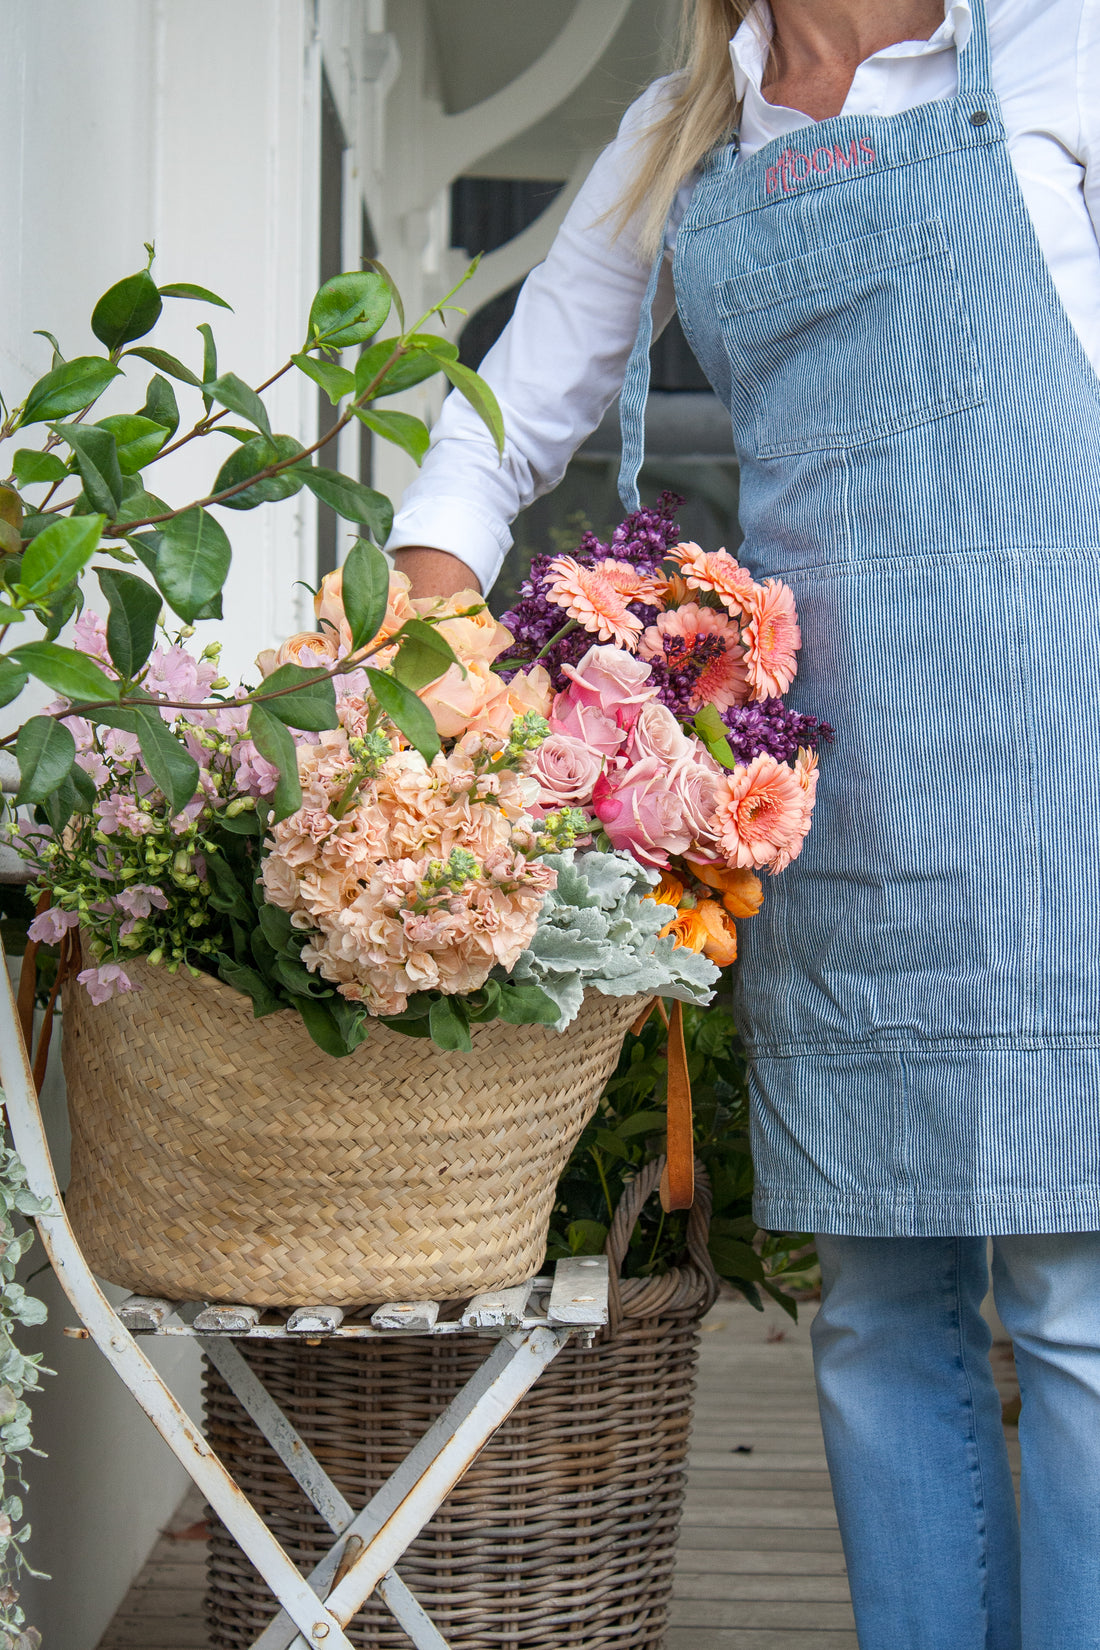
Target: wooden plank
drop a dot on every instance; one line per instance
(795, 1614)
(759, 1561)
(776, 1583)
(694, 1638)
(417, 1317)
(499, 1309)
(314, 1320)
(579, 1295)
(226, 1320)
(140, 1312)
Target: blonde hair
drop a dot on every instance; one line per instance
(703, 111)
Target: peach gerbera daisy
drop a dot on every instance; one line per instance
(762, 814)
(598, 597)
(772, 638)
(715, 570)
(680, 637)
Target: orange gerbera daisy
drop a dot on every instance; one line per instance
(598, 597)
(715, 570)
(771, 638)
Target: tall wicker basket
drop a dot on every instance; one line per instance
(220, 1157)
(561, 1535)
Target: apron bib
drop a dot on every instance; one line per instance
(918, 429)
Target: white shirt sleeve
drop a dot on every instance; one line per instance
(1088, 101)
(555, 370)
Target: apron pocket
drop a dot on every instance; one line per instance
(848, 343)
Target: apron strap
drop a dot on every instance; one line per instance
(635, 393)
(974, 58)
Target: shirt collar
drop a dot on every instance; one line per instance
(751, 44)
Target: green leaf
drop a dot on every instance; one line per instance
(350, 499)
(58, 554)
(297, 978)
(405, 431)
(250, 983)
(412, 368)
(277, 929)
(275, 744)
(174, 771)
(84, 786)
(134, 608)
(349, 309)
(712, 731)
(480, 397)
(193, 559)
(734, 1259)
(61, 804)
(138, 505)
(781, 1298)
(586, 1237)
(643, 1122)
(68, 389)
(57, 609)
(232, 392)
(31, 467)
(335, 381)
(187, 289)
(163, 362)
(58, 357)
(45, 751)
(449, 1026)
(423, 654)
(254, 455)
(138, 439)
(96, 454)
(523, 1005)
(366, 591)
(320, 1022)
(160, 404)
(209, 361)
(126, 311)
(312, 705)
(406, 712)
(13, 679)
(611, 1144)
(65, 670)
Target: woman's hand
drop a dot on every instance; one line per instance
(433, 572)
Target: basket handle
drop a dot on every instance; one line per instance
(634, 1198)
(68, 964)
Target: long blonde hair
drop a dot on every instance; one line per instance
(703, 111)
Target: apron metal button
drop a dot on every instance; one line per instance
(979, 117)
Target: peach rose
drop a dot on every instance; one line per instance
(306, 648)
(460, 698)
(531, 691)
(476, 636)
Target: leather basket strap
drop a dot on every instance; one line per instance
(678, 1179)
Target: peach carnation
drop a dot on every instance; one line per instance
(598, 597)
(772, 638)
(762, 814)
(717, 571)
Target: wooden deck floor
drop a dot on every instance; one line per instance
(760, 1563)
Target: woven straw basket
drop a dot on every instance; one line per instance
(560, 1536)
(219, 1157)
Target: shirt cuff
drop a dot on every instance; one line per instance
(459, 528)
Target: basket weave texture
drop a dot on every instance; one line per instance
(220, 1157)
(563, 1532)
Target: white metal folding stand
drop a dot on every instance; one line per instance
(531, 1324)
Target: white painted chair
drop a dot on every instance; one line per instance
(531, 1324)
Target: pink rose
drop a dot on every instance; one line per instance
(642, 813)
(658, 733)
(696, 784)
(566, 770)
(612, 681)
(586, 723)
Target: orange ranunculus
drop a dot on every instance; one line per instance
(720, 944)
(669, 891)
(742, 892)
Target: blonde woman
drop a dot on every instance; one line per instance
(880, 228)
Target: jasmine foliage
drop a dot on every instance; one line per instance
(598, 932)
(19, 1375)
(628, 1131)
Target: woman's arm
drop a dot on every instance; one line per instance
(555, 369)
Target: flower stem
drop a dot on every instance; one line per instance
(554, 640)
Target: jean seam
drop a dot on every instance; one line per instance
(976, 1472)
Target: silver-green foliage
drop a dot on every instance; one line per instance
(598, 932)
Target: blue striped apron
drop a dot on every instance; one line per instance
(918, 429)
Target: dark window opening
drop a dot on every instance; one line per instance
(333, 144)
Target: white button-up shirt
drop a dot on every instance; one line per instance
(560, 362)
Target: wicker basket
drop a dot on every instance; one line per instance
(219, 1157)
(563, 1531)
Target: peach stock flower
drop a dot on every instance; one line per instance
(772, 638)
(598, 597)
(762, 814)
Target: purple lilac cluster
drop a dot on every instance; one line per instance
(643, 539)
(768, 727)
(676, 677)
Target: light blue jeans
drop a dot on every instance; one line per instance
(936, 1557)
